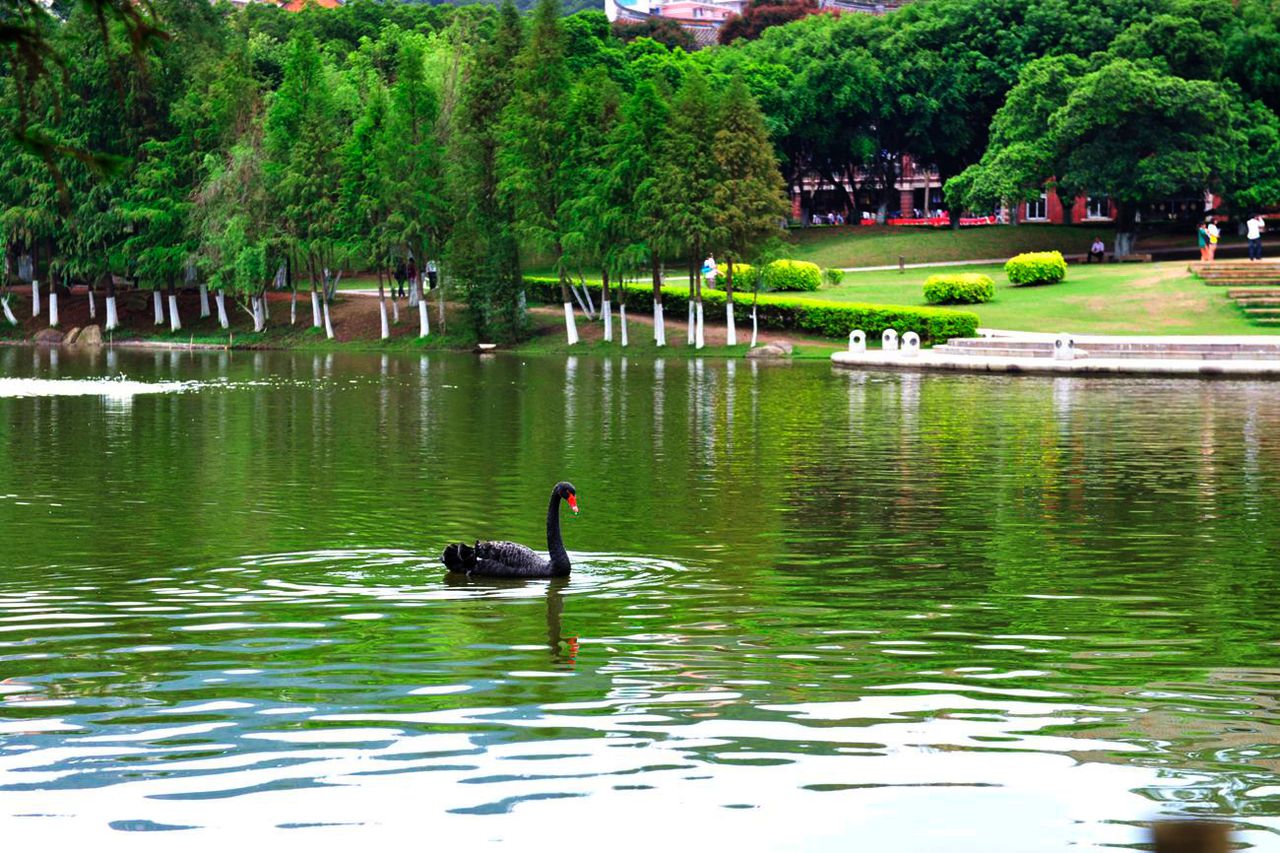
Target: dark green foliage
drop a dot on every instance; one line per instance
(959, 289)
(1036, 268)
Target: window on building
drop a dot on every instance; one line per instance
(1038, 209)
(1097, 208)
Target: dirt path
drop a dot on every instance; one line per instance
(355, 318)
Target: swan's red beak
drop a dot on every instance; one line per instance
(573, 503)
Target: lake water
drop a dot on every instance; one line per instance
(810, 609)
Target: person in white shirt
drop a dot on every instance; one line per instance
(1097, 251)
(1212, 228)
(1253, 229)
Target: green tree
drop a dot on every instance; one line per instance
(687, 173)
(749, 199)
(534, 148)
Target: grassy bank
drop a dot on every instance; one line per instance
(1135, 299)
(863, 246)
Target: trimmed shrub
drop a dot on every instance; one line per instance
(833, 276)
(743, 275)
(958, 288)
(791, 275)
(803, 314)
(1036, 268)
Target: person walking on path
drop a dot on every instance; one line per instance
(400, 278)
(1214, 233)
(1202, 241)
(1253, 230)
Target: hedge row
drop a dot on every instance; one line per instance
(958, 288)
(798, 313)
(1036, 268)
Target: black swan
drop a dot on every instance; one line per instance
(509, 560)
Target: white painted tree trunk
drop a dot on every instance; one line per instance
(413, 293)
(175, 322)
(570, 327)
(395, 311)
(266, 312)
(293, 308)
(315, 309)
(221, 299)
(573, 288)
(382, 315)
(328, 324)
(258, 323)
(691, 332)
(53, 307)
(35, 299)
(591, 305)
(659, 325)
(606, 311)
(424, 321)
(753, 325)
(159, 307)
(113, 319)
(8, 314)
(204, 300)
(93, 306)
(622, 321)
(700, 340)
(731, 333)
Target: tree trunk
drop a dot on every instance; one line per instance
(1126, 229)
(8, 314)
(699, 339)
(731, 333)
(266, 310)
(606, 309)
(570, 327)
(113, 319)
(755, 302)
(440, 287)
(315, 294)
(221, 299)
(157, 303)
(622, 320)
(328, 324)
(293, 305)
(691, 318)
(93, 302)
(659, 322)
(382, 306)
(35, 296)
(175, 322)
(204, 300)
(53, 298)
(591, 305)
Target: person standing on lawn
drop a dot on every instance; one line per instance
(1253, 230)
(1202, 241)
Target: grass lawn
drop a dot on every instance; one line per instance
(864, 246)
(1133, 299)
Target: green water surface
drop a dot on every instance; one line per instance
(811, 609)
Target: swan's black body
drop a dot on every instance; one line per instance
(509, 560)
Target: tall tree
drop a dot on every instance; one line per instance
(749, 199)
(630, 204)
(687, 174)
(483, 251)
(534, 148)
(301, 143)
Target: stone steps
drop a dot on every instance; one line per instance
(1254, 293)
(1264, 312)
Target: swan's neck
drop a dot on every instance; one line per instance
(555, 545)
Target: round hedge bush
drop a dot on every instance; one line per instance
(959, 289)
(743, 275)
(1036, 268)
(791, 275)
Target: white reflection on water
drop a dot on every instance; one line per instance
(113, 388)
